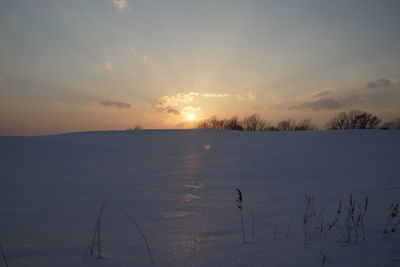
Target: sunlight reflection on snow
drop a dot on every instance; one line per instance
(179, 214)
(189, 197)
(194, 186)
(191, 244)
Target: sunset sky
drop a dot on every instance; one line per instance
(81, 65)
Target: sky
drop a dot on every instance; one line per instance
(76, 65)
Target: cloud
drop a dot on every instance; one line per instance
(176, 100)
(133, 49)
(145, 58)
(118, 104)
(374, 94)
(250, 95)
(322, 99)
(320, 104)
(322, 93)
(382, 90)
(173, 111)
(177, 104)
(381, 83)
(212, 95)
(191, 108)
(121, 5)
(108, 66)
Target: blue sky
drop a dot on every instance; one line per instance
(90, 65)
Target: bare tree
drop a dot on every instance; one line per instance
(305, 125)
(392, 125)
(204, 125)
(254, 123)
(215, 123)
(209, 123)
(355, 119)
(286, 125)
(292, 125)
(233, 124)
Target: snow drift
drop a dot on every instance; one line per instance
(179, 185)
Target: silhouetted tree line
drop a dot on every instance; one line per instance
(392, 125)
(136, 128)
(355, 119)
(256, 123)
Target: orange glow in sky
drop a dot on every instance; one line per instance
(168, 65)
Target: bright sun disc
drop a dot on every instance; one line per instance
(190, 117)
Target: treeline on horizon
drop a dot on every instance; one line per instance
(355, 119)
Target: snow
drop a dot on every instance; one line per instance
(179, 185)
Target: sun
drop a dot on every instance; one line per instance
(190, 117)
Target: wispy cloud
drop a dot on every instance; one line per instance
(117, 104)
(176, 100)
(320, 104)
(371, 94)
(145, 58)
(109, 66)
(178, 104)
(173, 111)
(213, 95)
(250, 95)
(121, 5)
(381, 83)
(322, 93)
(191, 108)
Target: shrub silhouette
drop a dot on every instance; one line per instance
(355, 119)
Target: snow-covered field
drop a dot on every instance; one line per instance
(180, 187)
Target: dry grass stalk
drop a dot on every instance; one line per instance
(239, 203)
(309, 214)
(3, 254)
(141, 233)
(355, 219)
(396, 225)
(394, 213)
(96, 238)
(335, 222)
(289, 226)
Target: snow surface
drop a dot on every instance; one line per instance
(180, 187)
